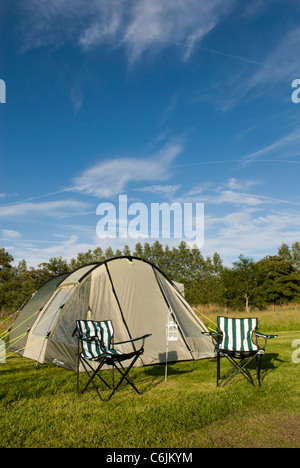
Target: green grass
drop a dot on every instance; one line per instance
(39, 406)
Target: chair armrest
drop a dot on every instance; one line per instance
(216, 336)
(213, 334)
(77, 334)
(134, 339)
(264, 335)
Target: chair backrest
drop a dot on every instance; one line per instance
(97, 336)
(237, 334)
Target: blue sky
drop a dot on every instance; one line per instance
(163, 100)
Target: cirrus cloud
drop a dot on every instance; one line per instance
(57, 209)
(112, 176)
(139, 26)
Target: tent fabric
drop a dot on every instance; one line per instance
(180, 287)
(132, 293)
(28, 315)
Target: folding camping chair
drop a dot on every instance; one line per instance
(95, 344)
(235, 342)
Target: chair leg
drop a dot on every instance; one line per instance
(92, 373)
(218, 367)
(77, 370)
(238, 368)
(258, 367)
(91, 376)
(124, 375)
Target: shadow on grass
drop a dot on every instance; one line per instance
(49, 380)
(159, 370)
(270, 362)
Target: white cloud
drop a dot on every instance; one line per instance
(235, 184)
(158, 24)
(35, 252)
(234, 197)
(76, 98)
(10, 234)
(231, 193)
(285, 147)
(160, 189)
(170, 108)
(272, 75)
(220, 195)
(250, 232)
(195, 37)
(140, 26)
(61, 208)
(112, 177)
(282, 62)
(199, 190)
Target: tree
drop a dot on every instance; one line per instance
(296, 255)
(147, 255)
(17, 282)
(217, 264)
(247, 283)
(182, 262)
(239, 284)
(109, 253)
(21, 269)
(138, 251)
(126, 251)
(98, 255)
(55, 266)
(228, 287)
(291, 254)
(5, 263)
(279, 280)
(6, 277)
(83, 258)
(158, 255)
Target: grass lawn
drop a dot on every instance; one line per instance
(39, 406)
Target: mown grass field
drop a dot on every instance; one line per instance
(39, 406)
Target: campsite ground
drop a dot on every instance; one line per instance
(39, 406)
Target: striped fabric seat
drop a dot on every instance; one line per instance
(96, 339)
(237, 334)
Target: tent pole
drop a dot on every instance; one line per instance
(166, 370)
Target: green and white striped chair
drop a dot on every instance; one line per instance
(235, 342)
(95, 344)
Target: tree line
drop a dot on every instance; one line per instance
(246, 284)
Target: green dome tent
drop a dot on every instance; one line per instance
(133, 293)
